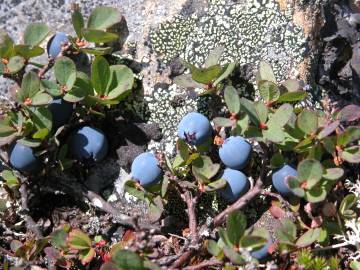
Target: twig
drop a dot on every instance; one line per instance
(251, 194)
(97, 201)
(204, 264)
(46, 68)
(182, 259)
(30, 223)
(330, 247)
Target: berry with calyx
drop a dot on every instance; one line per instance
(194, 128)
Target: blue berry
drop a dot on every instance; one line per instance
(23, 159)
(235, 152)
(61, 111)
(279, 179)
(55, 43)
(145, 169)
(263, 252)
(88, 144)
(237, 185)
(194, 128)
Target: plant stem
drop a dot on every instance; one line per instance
(36, 64)
(205, 264)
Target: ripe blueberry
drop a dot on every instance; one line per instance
(194, 128)
(145, 169)
(23, 159)
(61, 111)
(237, 185)
(88, 144)
(280, 182)
(263, 252)
(235, 152)
(55, 43)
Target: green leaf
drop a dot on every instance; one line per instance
(308, 121)
(100, 74)
(213, 248)
(310, 170)
(253, 241)
(355, 265)
(223, 122)
(120, 83)
(282, 115)
(5, 129)
(235, 226)
(262, 111)
(274, 133)
(75, 95)
(98, 36)
(79, 240)
(86, 255)
(277, 160)
(186, 81)
(224, 237)
(40, 134)
(249, 108)
(316, 194)
(214, 56)
(127, 260)
(215, 185)
(351, 154)
(164, 186)
(233, 256)
(10, 178)
(292, 96)
(6, 45)
(286, 232)
(65, 72)
(265, 73)
(308, 238)
(232, 99)
(51, 88)
(15, 64)
(295, 186)
(203, 166)
(41, 99)
(292, 86)
(103, 17)
(227, 72)
(269, 91)
(97, 50)
(35, 33)
(205, 75)
(345, 207)
(333, 173)
(30, 85)
(78, 22)
(59, 237)
(350, 135)
(30, 142)
(27, 51)
(41, 117)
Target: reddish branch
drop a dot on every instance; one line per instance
(205, 264)
(46, 68)
(251, 194)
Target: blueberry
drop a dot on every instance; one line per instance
(55, 43)
(235, 152)
(237, 185)
(61, 111)
(23, 159)
(263, 252)
(194, 128)
(279, 179)
(88, 144)
(145, 169)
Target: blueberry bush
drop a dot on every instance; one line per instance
(272, 152)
